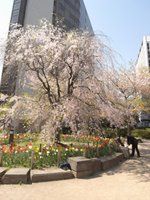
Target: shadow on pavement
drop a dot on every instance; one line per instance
(140, 167)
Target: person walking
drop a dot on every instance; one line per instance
(134, 142)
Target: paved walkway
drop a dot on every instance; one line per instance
(129, 181)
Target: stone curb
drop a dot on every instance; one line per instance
(3, 170)
(50, 175)
(81, 168)
(16, 176)
(111, 161)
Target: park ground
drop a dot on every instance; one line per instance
(130, 180)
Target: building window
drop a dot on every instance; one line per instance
(16, 6)
(14, 19)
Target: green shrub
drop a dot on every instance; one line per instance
(142, 133)
(112, 133)
(122, 132)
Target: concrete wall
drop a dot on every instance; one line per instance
(37, 10)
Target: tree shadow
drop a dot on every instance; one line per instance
(140, 167)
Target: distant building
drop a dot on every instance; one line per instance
(143, 61)
(73, 13)
(144, 54)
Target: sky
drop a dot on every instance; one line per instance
(124, 22)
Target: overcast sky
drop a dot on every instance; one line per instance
(125, 22)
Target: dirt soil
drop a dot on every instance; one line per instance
(130, 180)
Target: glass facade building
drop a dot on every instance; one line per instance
(68, 11)
(18, 11)
(71, 12)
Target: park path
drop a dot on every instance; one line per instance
(130, 180)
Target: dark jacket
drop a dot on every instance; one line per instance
(131, 140)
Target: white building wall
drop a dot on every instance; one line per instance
(37, 10)
(142, 60)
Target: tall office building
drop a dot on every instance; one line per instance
(72, 12)
(143, 61)
(29, 12)
(144, 54)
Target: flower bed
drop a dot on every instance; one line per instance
(82, 138)
(15, 156)
(30, 153)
